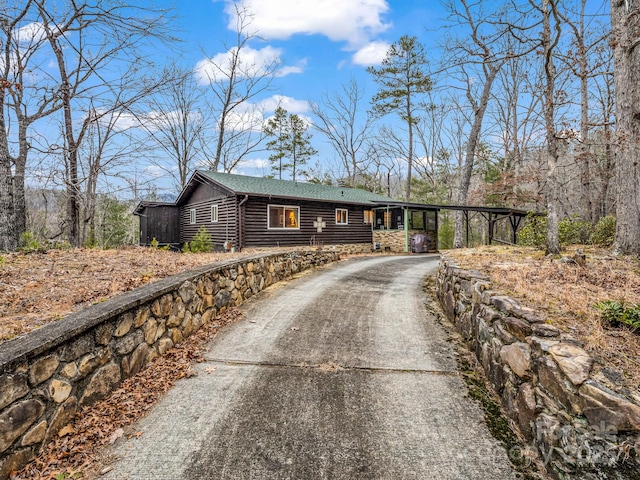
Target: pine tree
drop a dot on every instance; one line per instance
(291, 145)
(402, 78)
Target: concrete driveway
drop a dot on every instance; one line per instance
(341, 374)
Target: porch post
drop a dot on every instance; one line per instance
(406, 229)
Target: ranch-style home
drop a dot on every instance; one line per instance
(240, 211)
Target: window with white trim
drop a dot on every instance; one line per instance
(342, 216)
(281, 217)
(214, 213)
(192, 216)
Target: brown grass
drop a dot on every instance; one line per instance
(39, 288)
(566, 294)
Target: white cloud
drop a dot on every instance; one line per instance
(251, 63)
(371, 54)
(252, 163)
(154, 171)
(289, 69)
(352, 21)
(31, 33)
(291, 105)
(245, 120)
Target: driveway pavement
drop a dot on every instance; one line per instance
(341, 374)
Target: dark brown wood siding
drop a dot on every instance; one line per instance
(204, 192)
(256, 233)
(226, 229)
(161, 222)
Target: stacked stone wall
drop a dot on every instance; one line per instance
(392, 240)
(50, 373)
(581, 417)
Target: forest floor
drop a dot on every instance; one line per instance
(566, 294)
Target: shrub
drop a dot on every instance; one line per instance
(573, 230)
(615, 312)
(201, 242)
(29, 243)
(604, 232)
(534, 232)
(154, 243)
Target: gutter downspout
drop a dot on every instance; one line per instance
(240, 222)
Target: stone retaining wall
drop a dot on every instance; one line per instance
(50, 373)
(582, 419)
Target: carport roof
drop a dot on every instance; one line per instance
(468, 208)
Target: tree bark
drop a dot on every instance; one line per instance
(470, 153)
(548, 45)
(626, 39)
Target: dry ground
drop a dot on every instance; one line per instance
(38, 288)
(566, 294)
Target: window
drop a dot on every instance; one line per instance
(368, 217)
(192, 216)
(281, 217)
(342, 216)
(214, 213)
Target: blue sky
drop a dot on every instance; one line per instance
(321, 44)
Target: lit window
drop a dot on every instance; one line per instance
(192, 216)
(368, 217)
(214, 213)
(342, 216)
(281, 217)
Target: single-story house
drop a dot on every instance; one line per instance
(240, 211)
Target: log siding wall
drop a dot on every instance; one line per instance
(226, 228)
(256, 233)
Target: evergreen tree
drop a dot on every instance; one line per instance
(277, 127)
(402, 78)
(292, 143)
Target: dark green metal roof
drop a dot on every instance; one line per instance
(270, 187)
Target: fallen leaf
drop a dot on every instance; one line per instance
(210, 369)
(66, 430)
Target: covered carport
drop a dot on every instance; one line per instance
(394, 223)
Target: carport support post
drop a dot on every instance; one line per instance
(406, 229)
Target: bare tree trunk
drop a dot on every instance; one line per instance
(470, 154)
(407, 194)
(8, 238)
(626, 53)
(548, 44)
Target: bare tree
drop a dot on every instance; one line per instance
(235, 79)
(86, 38)
(579, 60)
(340, 124)
(551, 33)
(433, 164)
(626, 53)
(482, 48)
(176, 122)
(24, 101)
